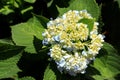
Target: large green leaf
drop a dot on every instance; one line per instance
(9, 56)
(108, 63)
(89, 5)
(23, 34)
(49, 74)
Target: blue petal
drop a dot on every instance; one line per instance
(45, 42)
(57, 38)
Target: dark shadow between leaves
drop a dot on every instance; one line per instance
(32, 65)
(41, 52)
(37, 43)
(117, 77)
(53, 9)
(8, 51)
(111, 20)
(91, 71)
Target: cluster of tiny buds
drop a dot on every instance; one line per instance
(73, 44)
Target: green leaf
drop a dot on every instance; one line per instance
(89, 22)
(50, 3)
(89, 5)
(43, 20)
(98, 77)
(15, 3)
(23, 34)
(8, 50)
(30, 1)
(36, 27)
(49, 74)
(23, 37)
(6, 10)
(9, 56)
(26, 9)
(108, 63)
(7, 41)
(27, 78)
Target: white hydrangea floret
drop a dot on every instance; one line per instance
(73, 44)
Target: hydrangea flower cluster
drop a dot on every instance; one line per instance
(73, 44)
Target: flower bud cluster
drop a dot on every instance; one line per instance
(73, 44)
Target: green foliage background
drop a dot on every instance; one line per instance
(22, 22)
